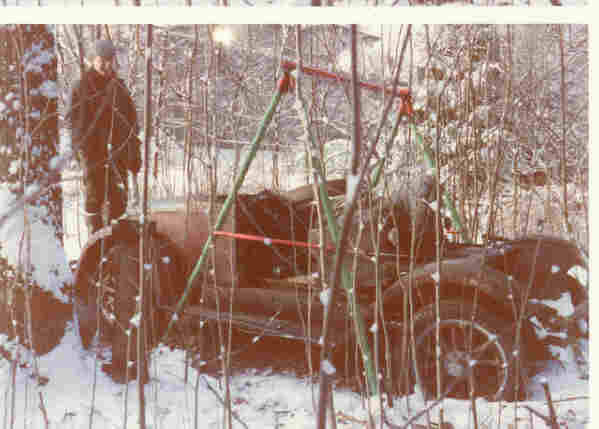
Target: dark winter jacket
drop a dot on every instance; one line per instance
(105, 115)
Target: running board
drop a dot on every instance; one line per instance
(270, 326)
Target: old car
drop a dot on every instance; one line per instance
(493, 303)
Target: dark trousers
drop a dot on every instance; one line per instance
(102, 187)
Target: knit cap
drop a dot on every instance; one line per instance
(104, 49)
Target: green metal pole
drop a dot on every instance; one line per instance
(281, 89)
(346, 277)
(447, 200)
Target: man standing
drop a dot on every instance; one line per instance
(104, 127)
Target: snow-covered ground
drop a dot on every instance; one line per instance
(260, 399)
(291, 3)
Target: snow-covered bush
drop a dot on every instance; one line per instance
(39, 291)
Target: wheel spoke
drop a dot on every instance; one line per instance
(107, 288)
(428, 364)
(445, 346)
(482, 348)
(454, 333)
(490, 363)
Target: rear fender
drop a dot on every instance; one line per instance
(125, 231)
(546, 262)
(91, 252)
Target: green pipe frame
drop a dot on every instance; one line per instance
(346, 276)
(281, 89)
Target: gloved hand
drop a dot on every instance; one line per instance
(135, 156)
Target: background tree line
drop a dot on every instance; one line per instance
(507, 104)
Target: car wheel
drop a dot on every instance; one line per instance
(476, 353)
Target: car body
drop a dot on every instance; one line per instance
(500, 293)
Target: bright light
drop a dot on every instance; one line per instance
(223, 35)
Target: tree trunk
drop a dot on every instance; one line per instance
(563, 154)
(33, 142)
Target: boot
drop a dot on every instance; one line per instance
(94, 223)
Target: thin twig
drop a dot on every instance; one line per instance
(221, 400)
(573, 398)
(552, 415)
(43, 410)
(546, 419)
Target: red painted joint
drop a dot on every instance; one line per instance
(290, 65)
(405, 105)
(286, 83)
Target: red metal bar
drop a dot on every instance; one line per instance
(268, 241)
(400, 92)
(285, 83)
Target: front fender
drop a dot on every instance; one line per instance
(470, 272)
